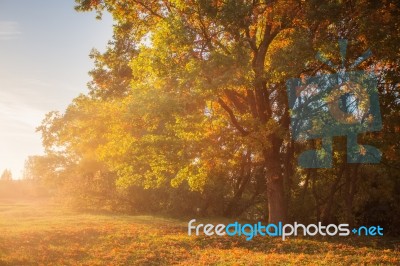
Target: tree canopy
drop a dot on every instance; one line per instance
(189, 103)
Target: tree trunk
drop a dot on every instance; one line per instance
(275, 190)
(350, 192)
(233, 204)
(276, 200)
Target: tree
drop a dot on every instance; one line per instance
(191, 94)
(238, 55)
(6, 175)
(45, 169)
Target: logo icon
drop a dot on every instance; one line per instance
(342, 104)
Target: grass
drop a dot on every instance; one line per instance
(40, 233)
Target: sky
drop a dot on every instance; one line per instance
(44, 64)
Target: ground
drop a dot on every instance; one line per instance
(40, 233)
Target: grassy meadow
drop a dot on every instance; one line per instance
(34, 232)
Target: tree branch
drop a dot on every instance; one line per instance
(233, 118)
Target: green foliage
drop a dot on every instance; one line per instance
(189, 99)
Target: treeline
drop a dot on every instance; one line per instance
(23, 189)
(187, 113)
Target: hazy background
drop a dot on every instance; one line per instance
(44, 47)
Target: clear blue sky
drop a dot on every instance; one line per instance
(44, 48)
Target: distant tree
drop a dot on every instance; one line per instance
(46, 169)
(6, 175)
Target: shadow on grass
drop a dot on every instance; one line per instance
(299, 244)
